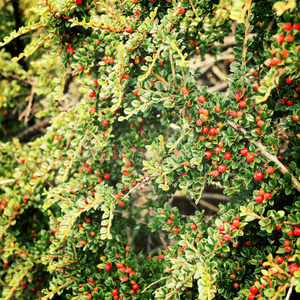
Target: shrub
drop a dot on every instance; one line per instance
(83, 204)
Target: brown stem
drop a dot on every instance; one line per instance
(155, 282)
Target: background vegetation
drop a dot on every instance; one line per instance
(122, 121)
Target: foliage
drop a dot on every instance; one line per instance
(130, 127)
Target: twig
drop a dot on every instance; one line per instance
(155, 282)
(218, 87)
(161, 79)
(29, 130)
(247, 24)
(179, 288)
(57, 289)
(27, 110)
(172, 67)
(18, 78)
(289, 292)
(268, 155)
(208, 205)
(194, 10)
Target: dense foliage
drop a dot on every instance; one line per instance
(86, 206)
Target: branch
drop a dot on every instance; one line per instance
(27, 110)
(31, 129)
(268, 155)
(157, 281)
(57, 289)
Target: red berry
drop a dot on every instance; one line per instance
(288, 81)
(194, 227)
(175, 229)
(135, 286)
(221, 168)
(293, 268)
(79, 68)
(270, 170)
(181, 11)
(258, 131)
(106, 176)
(115, 292)
(287, 26)
(243, 104)
(289, 38)
(255, 73)
(296, 26)
(82, 243)
(129, 30)
(221, 228)
(297, 231)
(280, 259)
(205, 129)
(208, 154)
(269, 62)
(215, 173)
(170, 222)
(259, 199)
(92, 94)
(267, 196)
(258, 175)
(260, 123)
(93, 110)
(237, 97)
(280, 39)
(201, 99)
(251, 297)
(227, 237)
(107, 267)
(227, 155)
(105, 122)
(244, 151)
(253, 289)
(296, 118)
